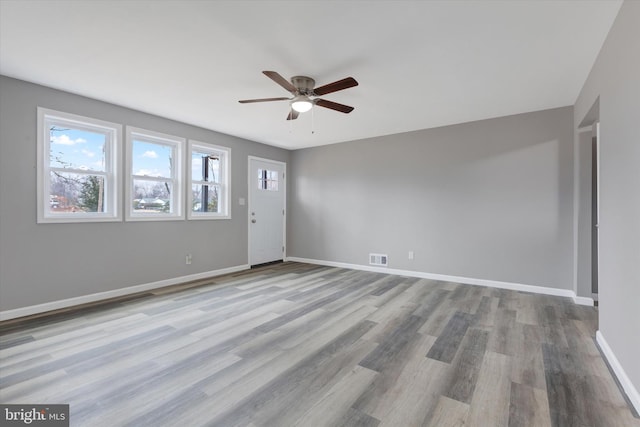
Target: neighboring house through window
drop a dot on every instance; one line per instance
(77, 168)
(154, 186)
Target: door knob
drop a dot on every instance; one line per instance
(253, 221)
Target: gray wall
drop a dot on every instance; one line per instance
(615, 79)
(48, 262)
(491, 200)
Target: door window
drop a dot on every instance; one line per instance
(267, 180)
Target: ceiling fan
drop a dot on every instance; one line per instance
(305, 95)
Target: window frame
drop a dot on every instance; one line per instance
(177, 198)
(112, 178)
(224, 181)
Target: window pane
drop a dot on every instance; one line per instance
(77, 168)
(151, 196)
(76, 193)
(208, 175)
(267, 180)
(205, 198)
(205, 167)
(149, 159)
(76, 149)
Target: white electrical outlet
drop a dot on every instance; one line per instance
(410, 254)
(188, 259)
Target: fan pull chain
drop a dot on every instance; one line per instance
(290, 121)
(313, 108)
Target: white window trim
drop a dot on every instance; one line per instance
(113, 179)
(177, 198)
(225, 181)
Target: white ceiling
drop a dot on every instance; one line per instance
(420, 64)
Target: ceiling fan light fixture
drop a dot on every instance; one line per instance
(301, 103)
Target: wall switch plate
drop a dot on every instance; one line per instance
(410, 254)
(188, 259)
(241, 201)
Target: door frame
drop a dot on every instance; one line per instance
(595, 209)
(249, 204)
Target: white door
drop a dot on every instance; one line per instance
(266, 210)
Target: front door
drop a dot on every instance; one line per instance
(266, 210)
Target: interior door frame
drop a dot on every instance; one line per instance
(249, 204)
(595, 209)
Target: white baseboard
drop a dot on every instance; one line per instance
(457, 279)
(583, 300)
(627, 385)
(70, 302)
(55, 305)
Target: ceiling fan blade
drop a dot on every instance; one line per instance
(248, 101)
(293, 114)
(336, 86)
(333, 105)
(280, 80)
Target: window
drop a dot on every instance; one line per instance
(267, 180)
(209, 181)
(153, 190)
(77, 168)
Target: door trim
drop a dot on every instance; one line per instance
(249, 202)
(595, 211)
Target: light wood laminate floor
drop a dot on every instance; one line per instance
(300, 345)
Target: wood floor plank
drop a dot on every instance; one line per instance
(386, 284)
(429, 305)
(298, 335)
(411, 372)
(490, 401)
(486, 312)
(388, 349)
(439, 316)
(416, 390)
(134, 401)
(503, 334)
(356, 418)
(528, 407)
(31, 389)
(552, 325)
(334, 405)
(525, 309)
(565, 385)
(284, 391)
(20, 340)
(466, 366)
(446, 346)
(448, 413)
(139, 340)
(527, 365)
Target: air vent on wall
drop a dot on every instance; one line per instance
(378, 259)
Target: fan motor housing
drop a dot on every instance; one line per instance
(304, 84)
